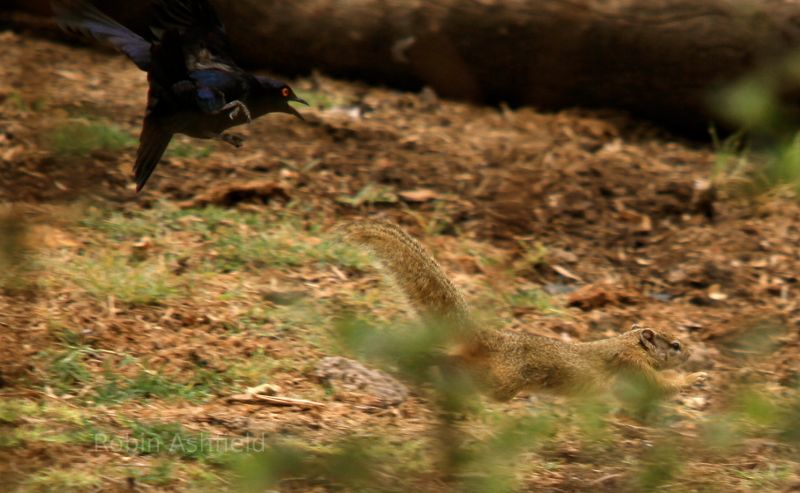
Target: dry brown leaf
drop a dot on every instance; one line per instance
(49, 237)
(566, 273)
(229, 194)
(418, 195)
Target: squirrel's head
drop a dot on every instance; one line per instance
(665, 351)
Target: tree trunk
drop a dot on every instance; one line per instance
(659, 59)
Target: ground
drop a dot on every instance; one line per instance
(128, 320)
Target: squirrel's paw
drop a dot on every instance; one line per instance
(697, 379)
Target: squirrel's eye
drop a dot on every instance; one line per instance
(285, 91)
(676, 346)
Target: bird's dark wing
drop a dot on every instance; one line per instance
(153, 141)
(169, 66)
(204, 39)
(188, 14)
(79, 16)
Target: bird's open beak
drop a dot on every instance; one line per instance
(293, 111)
(299, 100)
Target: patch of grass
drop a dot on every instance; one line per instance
(160, 474)
(731, 155)
(534, 254)
(66, 480)
(302, 321)
(18, 102)
(330, 251)
(149, 282)
(66, 370)
(161, 439)
(252, 320)
(49, 422)
(46, 433)
(80, 137)
(189, 150)
(203, 478)
(280, 245)
(258, 250)
(238, 240)
(253, 371)
(149, 385)
(533, 298)
(14, 410)
(120, 226)
(774, 477)
(156, 439)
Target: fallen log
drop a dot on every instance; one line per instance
(658, 59)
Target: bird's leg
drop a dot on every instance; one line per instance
(235, 140)
(237, 106)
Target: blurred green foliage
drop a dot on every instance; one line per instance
(765, 151)
(476, 448)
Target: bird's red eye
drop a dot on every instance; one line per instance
(285, 91)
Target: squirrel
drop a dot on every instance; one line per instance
(503, 364)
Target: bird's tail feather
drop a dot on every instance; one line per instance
(153, 141)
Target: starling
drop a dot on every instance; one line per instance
(195, 86)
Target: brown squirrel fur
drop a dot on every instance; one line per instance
(504, 364)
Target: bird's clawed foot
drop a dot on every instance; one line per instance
(235, 140)
(237, 107)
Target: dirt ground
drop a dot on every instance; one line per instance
(606, 220)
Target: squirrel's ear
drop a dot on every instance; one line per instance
(647, 336)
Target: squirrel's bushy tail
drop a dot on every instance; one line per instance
(414, 270)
